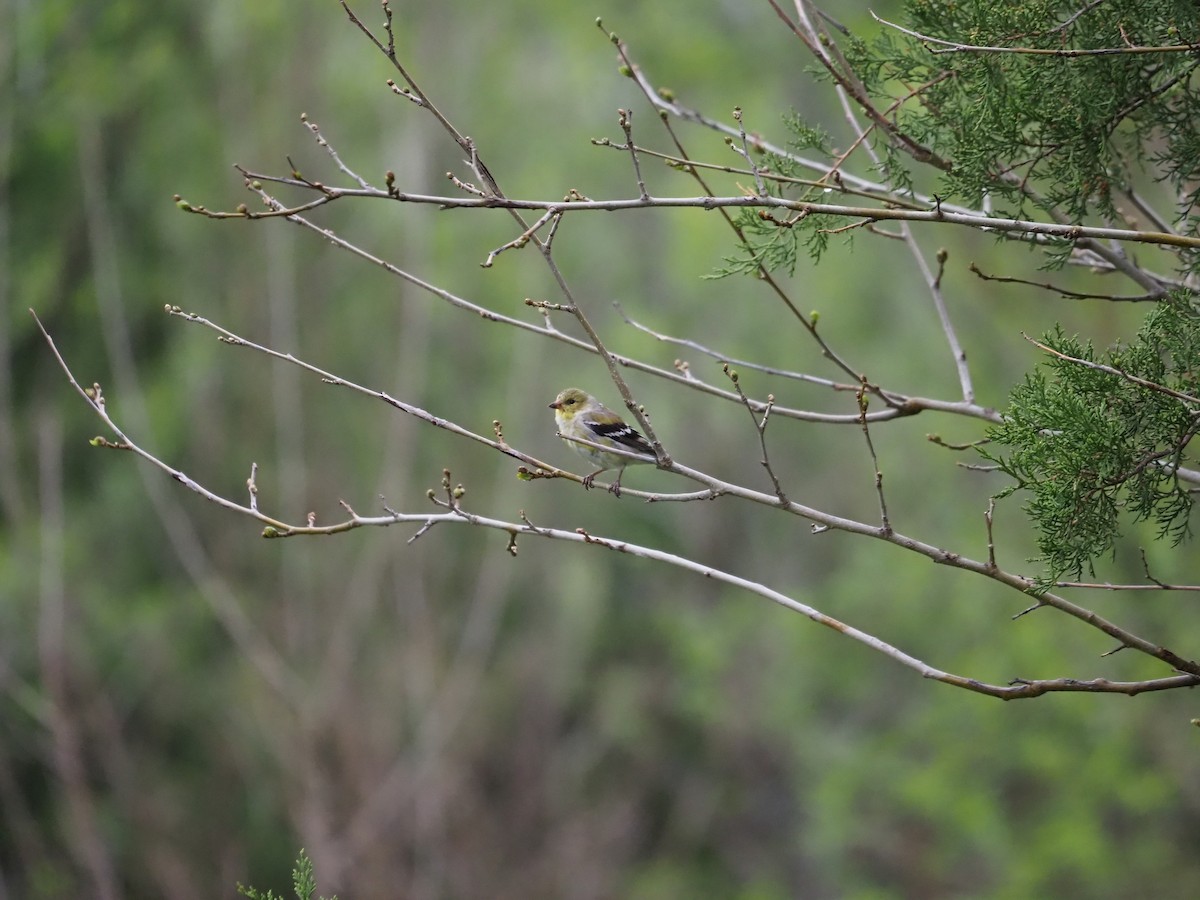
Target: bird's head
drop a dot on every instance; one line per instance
(569, 402)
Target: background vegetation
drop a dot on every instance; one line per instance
(185, 704)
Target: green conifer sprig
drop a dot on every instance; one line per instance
(1094, 447)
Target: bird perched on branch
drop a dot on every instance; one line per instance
(581, 417)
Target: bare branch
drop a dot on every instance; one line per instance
(1017, 228)
(617, 358)
(456, 514)
(713, 485)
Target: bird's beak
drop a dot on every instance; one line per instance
(556, 405)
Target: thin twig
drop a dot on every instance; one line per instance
(934, 284)
(743, 151)
(252, 486)
(625, 120)
(823, 183)
(760, 426)
(520, 240)
(897, 401)
(863, 402)
(991, 540)
(1109, 586)
(1065, 52)
(389, 50)
(321, 142)
(1101, 367)
(1061, 291)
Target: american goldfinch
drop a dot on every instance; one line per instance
(583, 417)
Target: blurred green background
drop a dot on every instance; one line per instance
(184, 704)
